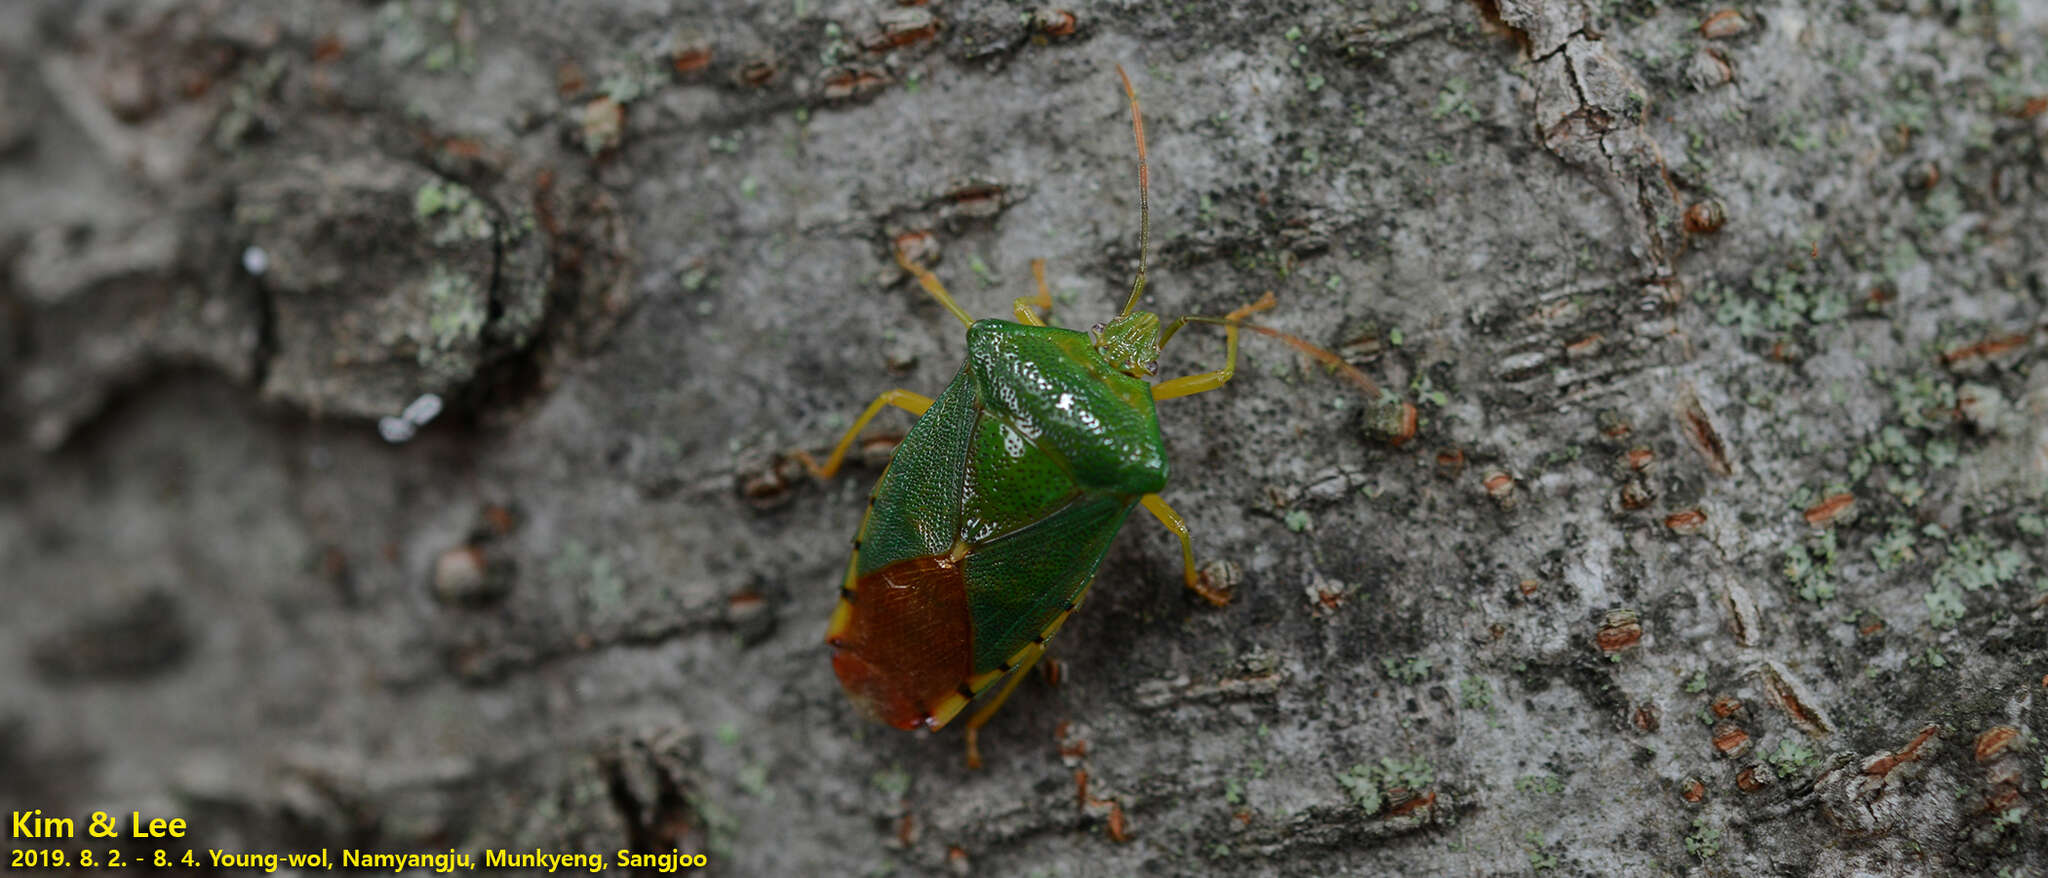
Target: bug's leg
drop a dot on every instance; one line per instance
(981, 717)
(931, 284)
(1027, 316)
(1189, 385)
(1171, 519)
(910, 402)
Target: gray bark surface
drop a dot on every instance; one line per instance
(1719, 547)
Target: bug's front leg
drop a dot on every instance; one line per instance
(1173, 522)
(914, 403)
(1024, 307)
(1189, 385)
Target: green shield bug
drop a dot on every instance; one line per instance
(986, 528)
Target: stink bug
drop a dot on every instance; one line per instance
(986, 528)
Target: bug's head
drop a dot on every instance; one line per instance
(1130, 343)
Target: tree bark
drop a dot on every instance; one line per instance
(399, 400)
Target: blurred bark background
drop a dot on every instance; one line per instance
(1718, 546)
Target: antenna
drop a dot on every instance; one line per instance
(1144, 191)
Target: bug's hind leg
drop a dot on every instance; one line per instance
(982, 716)
(1189, 385)
(931, 285)
(1173, 522)
(1025, 314)
(913, 403)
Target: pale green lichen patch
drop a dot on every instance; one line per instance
(1540, 860)
(245, 102)
(1914, 447)
(456, 311)
(1475, 693)
(1810, 567)
(1792, 757)
(1453, 100)
(1924, 399)
(1705, 840)
(1777, 301)
(1423, 389)
(428, 32)
(1413, 669)
(753, 778)
(462, 215)
(632, 78)
(1896, 546)
(1972, 564)
(892, 781)
(430, 199)
(1369, 784)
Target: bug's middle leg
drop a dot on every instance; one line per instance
(1189, 385)
(1173, 522)
(1024, 306)
(914, 403)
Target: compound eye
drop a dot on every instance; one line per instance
(1151, 366)
(1095, 332)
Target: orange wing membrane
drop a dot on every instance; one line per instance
(908, 646)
